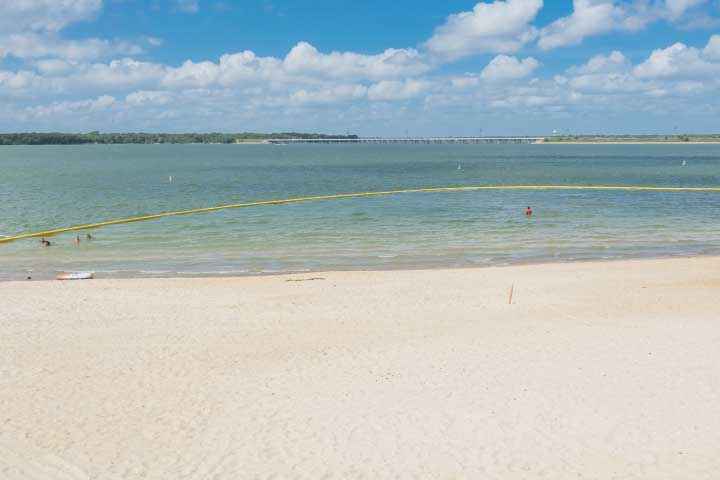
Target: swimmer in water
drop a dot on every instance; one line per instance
(77, 238)
(528, 212)
(88, 236)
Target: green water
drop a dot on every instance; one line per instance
(48, 187)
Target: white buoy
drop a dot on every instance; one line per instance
(170, 179)
(459, 167)
(684, 162)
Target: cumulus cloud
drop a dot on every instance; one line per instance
(29, 29)
(604, 74)
(590, 17)
(596, 17)
(60, 77)
(304, 59)
(116, 75)
(609, 83)
(677, 8)
(712, 50)
(677, 70)
(681, 61)
(397, 90)
(498, 27)
(22, 82)
(504, 68)
(95, 82)
(334, 94)
(304, 64)
(64, 108)
(32, 45)
(616, 62)
(143, 98)
(45, 15)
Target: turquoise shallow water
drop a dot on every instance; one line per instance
(47, 187)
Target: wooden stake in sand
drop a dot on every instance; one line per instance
(512, 287)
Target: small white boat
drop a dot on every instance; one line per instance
(75, 276)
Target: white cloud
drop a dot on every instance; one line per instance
(145, 98)
(498, 27)
(60, 77)
(504, 68)
(116, 75)
(32, 45)
(712, 49)
(233, 69)
(68, 86)
(29, 29)
(302, 65)
(590, 17)
(681, 61)
(13, 83)
(53, 67)
(397, 90)
(608, 83)
(304, 59)
(329, 95)
(677, 70)
(677, 8)
(45, 15)
(527, 101)
(64, 108)
(596, 17)
(465, 82)
(616, 62)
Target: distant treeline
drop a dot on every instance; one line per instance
(149, 138)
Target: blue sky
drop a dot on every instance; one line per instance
(372, 68)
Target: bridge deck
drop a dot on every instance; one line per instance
(465, 140)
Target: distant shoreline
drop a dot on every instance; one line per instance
(141, 138)
(626, 143)
(289, 138)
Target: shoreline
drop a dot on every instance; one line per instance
(142, 274)
(566, 370)
(627, 143)
(268, 142)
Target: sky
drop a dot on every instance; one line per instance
(371, 68)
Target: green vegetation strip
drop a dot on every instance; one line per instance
(59, 138)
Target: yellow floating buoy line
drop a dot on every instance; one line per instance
(90, 226)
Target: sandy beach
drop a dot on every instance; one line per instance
(596, 370)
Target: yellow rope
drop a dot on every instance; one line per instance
(352, 195)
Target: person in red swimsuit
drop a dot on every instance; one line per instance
(528, 212)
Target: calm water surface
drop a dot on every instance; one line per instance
(46, 187)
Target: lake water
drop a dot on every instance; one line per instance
(44, 187)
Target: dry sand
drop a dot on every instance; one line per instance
(596, 371)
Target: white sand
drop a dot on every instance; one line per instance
(596, 371)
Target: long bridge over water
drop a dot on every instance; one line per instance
(418, 140)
